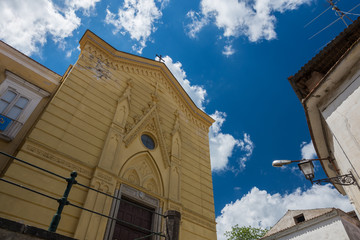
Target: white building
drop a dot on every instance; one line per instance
(319, 224)
(329, 88)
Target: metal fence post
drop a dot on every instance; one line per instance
(173, 219)
(62, 202)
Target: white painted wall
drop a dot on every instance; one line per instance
(329, 229)
(342, 116)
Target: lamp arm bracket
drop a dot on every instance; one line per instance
(345, 180)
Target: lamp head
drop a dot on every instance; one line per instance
(307, 168)
(280, 163)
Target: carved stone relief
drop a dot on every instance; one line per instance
(58, 160)
(132, 176)
(141, 171)
(151, 185)
(150, 122)
(101, 185)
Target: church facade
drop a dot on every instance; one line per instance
(128, 129)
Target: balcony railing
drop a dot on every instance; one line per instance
(63, 201)
(10, 127)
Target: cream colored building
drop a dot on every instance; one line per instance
(129, 129)
(26, 87)
(329, 88)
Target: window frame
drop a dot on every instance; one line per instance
(25, 89)
(299, 218)
(146, 139)
(13, 103)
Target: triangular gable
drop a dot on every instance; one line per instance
(287, 220)
(151, 117)
(102, 50)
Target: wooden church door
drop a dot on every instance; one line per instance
(133, 214)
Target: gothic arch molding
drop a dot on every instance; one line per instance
(142, 168)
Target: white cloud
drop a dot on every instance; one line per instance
(228, 50)
(26, 25)
(82, 4)
(254, 19)
(308, 150)
(247, 146)
(197, 23)
(86, 5)
(222, 145)
(258, 208)
(138, 18)
(196, 93)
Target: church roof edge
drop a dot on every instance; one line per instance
(91, 36)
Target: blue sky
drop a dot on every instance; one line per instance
(233, 57)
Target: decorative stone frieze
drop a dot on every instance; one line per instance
(45, 154)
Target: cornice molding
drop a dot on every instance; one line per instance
(118, 60)
(29, 63)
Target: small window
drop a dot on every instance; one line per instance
(148, 141)
(12, 104)
(299, 218)
(18, 99)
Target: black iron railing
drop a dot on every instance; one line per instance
(63, 201)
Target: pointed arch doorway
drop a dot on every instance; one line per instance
(138, 213)
(136, 221)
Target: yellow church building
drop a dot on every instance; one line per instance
(128, 129)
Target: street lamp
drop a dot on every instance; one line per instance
(307, 168)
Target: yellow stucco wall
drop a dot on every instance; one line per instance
(93, 126)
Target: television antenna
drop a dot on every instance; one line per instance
(339, 13)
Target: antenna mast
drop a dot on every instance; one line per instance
(340, 13)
